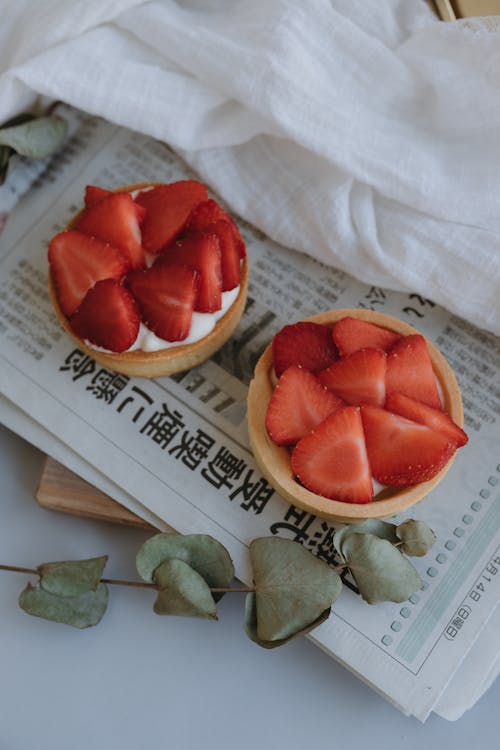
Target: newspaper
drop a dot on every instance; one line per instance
(178, 448)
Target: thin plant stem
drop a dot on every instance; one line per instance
(120, 582)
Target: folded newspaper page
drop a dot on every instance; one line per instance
(179, 448)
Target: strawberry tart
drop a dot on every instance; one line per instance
(353, 414)
(149, 279)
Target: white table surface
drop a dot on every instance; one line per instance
(139, 680)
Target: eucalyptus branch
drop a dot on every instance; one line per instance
(136, 584)
(190, 573)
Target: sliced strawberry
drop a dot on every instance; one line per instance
(167, 210)
(298, 404)
(409, 371)
(94, 194)
(115, 219)
(436, 419)
(229, 257)
(402, 452)
(200, 252)
(108, 316)
(359, 378)
(166, 296)
(332, 460)
(351, 334)
(208, 213)
(77, 262)
(306, 344)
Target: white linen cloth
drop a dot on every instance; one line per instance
(364, 133)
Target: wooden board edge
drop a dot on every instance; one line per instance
(61, 490)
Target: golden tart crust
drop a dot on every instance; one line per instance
(274, 461)
(163, 362)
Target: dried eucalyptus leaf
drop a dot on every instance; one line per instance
(251, 625)
(72, 577)
(382, 529)
(182, 592)
(36, 138)
(293, 588)
(82, 611)
(379, 569)
(416, 537)
(203, 553)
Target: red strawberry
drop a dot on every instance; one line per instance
(409, 371)
(423, 414)
(208, 213)
(167, 210)
(94, 194)
(77, 262)
(402, 452)
(115, 219)
(306, 344)
(165, 296)
(108, 316)
(351, 334)
(298, 404)
(229, 257)
(359, 378)
(201, 253)
(332, 460)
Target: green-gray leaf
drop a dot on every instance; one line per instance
(82, 611)
(72, 577)
(251, 625)
(37, 138)
(416, 537)
(293, 588)
(379, 569)
(203, 553)
(382, 529)
(182, 592)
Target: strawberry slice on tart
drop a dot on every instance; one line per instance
(403, 452)
(115, 218)
(351, 334)
(201, 253)
(167, 210)
(95, 194)
(299, 404)
(308, 345)
(230, 260)
(165, 296)
(77, 262)
(208, 213)
(358, 378)
(419, 412)
(108, 316)
(410, 371)
(332, 460)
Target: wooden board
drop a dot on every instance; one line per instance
(59, 489)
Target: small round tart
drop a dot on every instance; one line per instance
(274, 461)
(175, 358)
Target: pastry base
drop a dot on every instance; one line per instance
(274, 461)
(165, 361)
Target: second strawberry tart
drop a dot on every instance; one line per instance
(353, 414)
